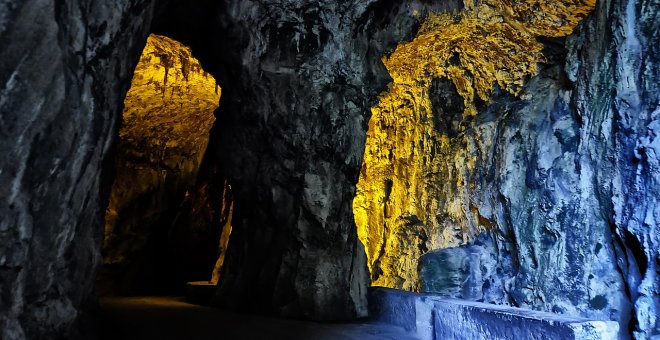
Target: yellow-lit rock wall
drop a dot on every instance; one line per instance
(166, 121)
(402, 207)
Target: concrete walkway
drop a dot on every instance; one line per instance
(169, 318)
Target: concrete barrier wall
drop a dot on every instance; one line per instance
(432, 317)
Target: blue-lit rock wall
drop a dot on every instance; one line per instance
(567, 182)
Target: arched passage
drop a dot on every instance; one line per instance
(164, 224)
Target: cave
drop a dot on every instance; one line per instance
(459, 169)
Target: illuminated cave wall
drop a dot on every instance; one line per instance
(486, 173)
(402, 205)
(166, 121)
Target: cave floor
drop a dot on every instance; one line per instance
(169, 318)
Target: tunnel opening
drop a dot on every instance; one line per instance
(169, 216)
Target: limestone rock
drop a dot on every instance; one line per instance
(563, 177)
(65, 67)
(298, 80)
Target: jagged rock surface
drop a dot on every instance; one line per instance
(297, 113)
(298, 81)
(65, 68)
(563, 177)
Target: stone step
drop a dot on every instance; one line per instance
(200, 292)
(434, 318)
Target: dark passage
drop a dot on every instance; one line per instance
(169, 318)
(164, 226)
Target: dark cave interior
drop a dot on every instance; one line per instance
(163, 227)
(464, 169)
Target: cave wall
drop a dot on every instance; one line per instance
(294, 140)
(298, 81)
(545, 198)
(304, 123)
(294, 239)
(65, 69)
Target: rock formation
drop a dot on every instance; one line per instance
(65, 69)
(455, 60)
(290, 145)
(550, 172)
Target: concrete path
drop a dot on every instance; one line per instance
(169, 318)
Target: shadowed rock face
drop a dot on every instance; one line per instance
(291, 143)
(294, 138)
(64, 70)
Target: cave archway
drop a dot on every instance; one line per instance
(168, 217)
